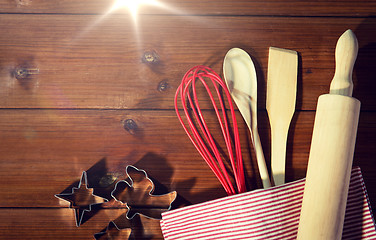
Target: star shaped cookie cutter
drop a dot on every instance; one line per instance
(81, 198)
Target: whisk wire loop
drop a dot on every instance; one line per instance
(200, 146)
(209, 151)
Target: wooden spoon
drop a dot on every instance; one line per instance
(280, 104)
(240, 76)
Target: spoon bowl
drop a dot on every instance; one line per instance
(240, 76)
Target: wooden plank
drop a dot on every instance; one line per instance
(52, 148)
(43, 152)
(91, 76)
(94, 62)
(60, 224)
(209, 7)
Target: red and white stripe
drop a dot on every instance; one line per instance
(264, 214)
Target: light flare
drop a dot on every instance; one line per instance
(133, 5)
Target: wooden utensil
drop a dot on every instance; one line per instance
(240, 76)
(280, 104)
(332, 150)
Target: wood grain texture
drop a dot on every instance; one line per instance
(59, 224)
(198, 7)
(44, 152)
(51, 148)
(88, 62)
(80, 90)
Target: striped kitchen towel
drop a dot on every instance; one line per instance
(264, 214)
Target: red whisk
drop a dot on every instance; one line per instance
(186, 93)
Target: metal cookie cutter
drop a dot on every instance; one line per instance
(113, 232)
(138, 195)
(81, 199)
(139, 200)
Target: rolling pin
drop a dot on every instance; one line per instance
(332, 150)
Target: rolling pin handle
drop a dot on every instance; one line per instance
(346, 53)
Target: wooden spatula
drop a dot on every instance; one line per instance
(280, 104)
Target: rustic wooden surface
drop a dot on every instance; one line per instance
(78, 94)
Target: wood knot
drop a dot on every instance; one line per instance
(131, 126)
(23, 2)
(150, 57)
(163, 86)
(107, 180)
(24, 72)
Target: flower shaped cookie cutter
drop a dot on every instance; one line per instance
(138, 195)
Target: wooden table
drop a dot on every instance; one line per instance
(82, 89)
